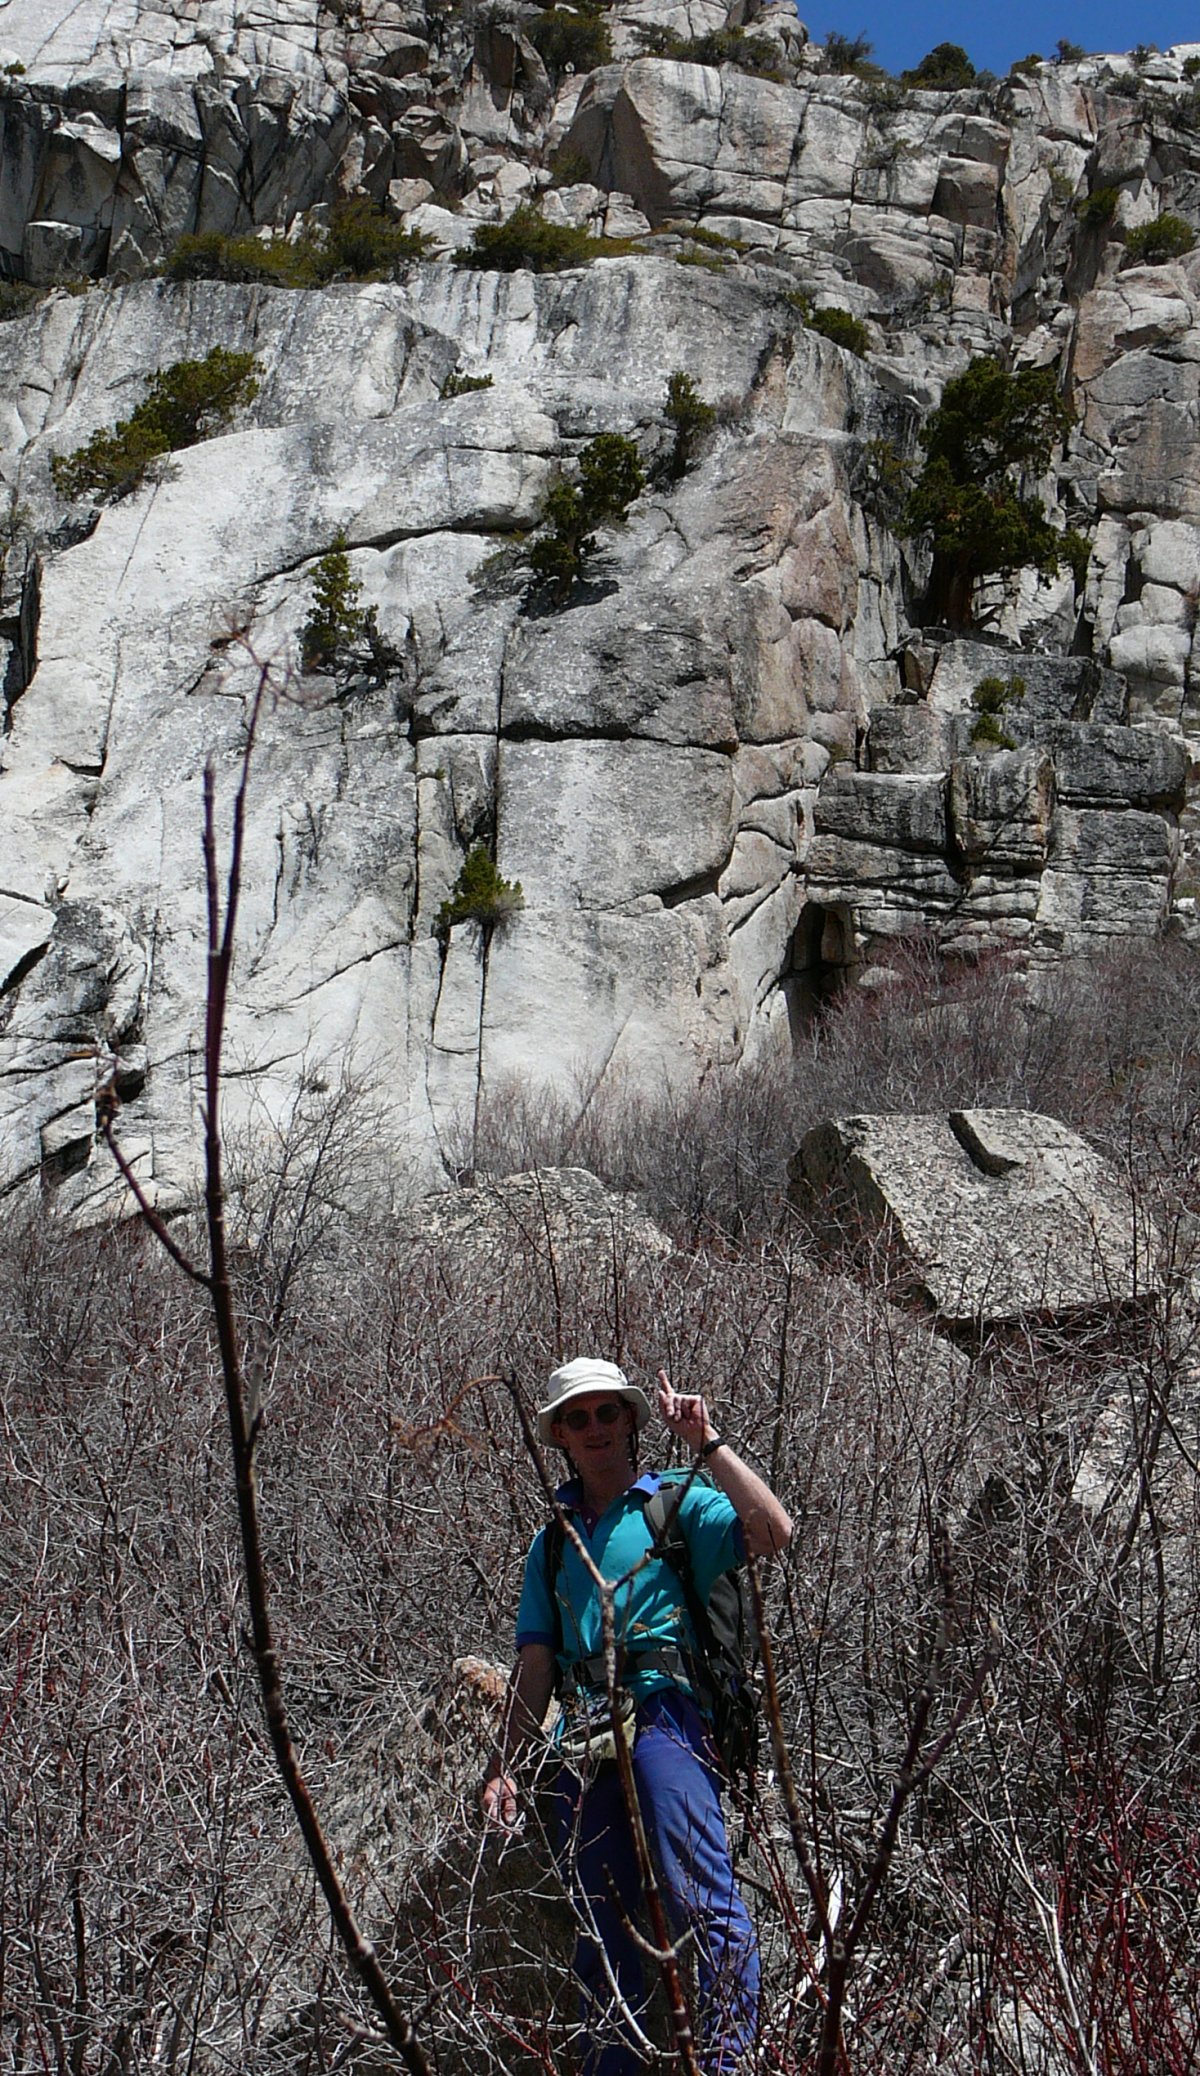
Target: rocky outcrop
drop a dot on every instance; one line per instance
(731, 766)
(997, 1216)
(1055, 826)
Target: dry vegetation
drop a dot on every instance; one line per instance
(1040, 1913)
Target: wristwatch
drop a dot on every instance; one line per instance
(710, 1448)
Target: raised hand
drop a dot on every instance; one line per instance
(685, 1415)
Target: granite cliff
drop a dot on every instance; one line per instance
(733, 765)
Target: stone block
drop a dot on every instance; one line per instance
(902, 810)
(1097, 765)
(1000, 1215)
(1001, 805)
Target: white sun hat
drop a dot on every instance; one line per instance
(575, 1379)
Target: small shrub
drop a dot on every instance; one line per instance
(336, 621)
(1066, 53)
(1168, 237)
(528, 240)
(610, 477)
(1191, 68)
(714, 262)
(845, 53)
(699, 234)
(1030, 64)
(212, 256)
(754, 54)
(462, 385)
(943, 70)
(570, 41)
(991, 698)
(480, 895)
(1099, 207)
(361, 242)
(842, 328)
(729, 46)
(690, 417)
(187, 403)
(1062, 187)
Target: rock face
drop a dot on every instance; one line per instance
(1000, 1215)
(729, 764)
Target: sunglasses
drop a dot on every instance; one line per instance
(579, 1417)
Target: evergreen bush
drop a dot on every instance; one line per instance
(690, 418)
(186, 403)
(336, 620)
(610, 477)
(480, 895)
(1168, 237)
(842, 328)
(943, 70)
(360, 242)
(989, 430)
(528, 240)
(1099, 207)
(568, 40)
(991, 698)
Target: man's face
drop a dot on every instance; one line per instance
(594, 1430)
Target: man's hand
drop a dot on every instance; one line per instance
(685, 1415)
(499, 1799)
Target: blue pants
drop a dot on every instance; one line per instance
(685, 1828)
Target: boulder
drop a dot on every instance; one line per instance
(997, 1216)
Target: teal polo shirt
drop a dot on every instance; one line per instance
(649, 1608)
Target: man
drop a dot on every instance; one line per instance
(593, 1413)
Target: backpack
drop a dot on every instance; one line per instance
(722, 1671)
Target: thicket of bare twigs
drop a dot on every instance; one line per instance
(1040, 1913)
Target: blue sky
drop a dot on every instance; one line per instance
(995, 37)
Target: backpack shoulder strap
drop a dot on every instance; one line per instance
(662, 1516)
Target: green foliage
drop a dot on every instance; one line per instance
(610, 477)
(361, 242)
(990, 699)
(699, 234)
(1062, 187)
(1099, 207)
(336, 621)
(845, 53)
(1168, 237)
(989, 429)
(528, 240)
(842, 328)
(690, 416)
(714, 262)
(1033, 63)
(1067, 53)
(186, 403)
(462, 385)
(942, 70)
(1191, 68)
(563, 38)
(755, 54)
(480, 895)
